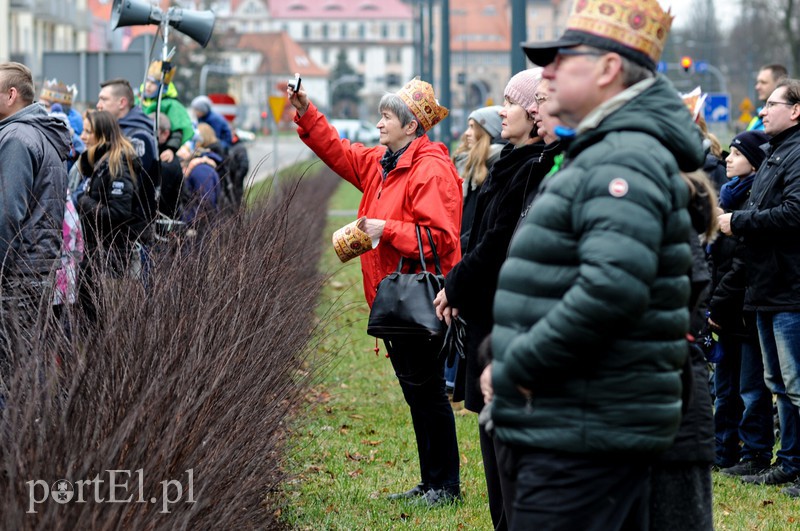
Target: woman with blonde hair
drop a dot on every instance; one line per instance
(106, 206)
(106, 201)
(480, 147)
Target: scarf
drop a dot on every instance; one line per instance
(390, 158)
(733, 193)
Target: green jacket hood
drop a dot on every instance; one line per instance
(658, 111)
(171, 92)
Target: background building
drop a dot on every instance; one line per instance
(375, 35)
(35, 26)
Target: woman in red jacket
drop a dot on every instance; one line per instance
(408, 180)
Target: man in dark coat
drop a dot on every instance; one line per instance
(33, 190)
(591, 312)
(116, 97)
(169, 202)
(770, 225)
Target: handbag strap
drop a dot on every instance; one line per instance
(436, 263)
(433, 250)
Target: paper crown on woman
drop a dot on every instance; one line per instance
(56, 91)
(154, 72)
(635, 29)
(695, 101)
(419, 98)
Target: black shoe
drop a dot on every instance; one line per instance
(792, 491)
(418, 490)
(774, 476)
(439, 497)
(750, 467)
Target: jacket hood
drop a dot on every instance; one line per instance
(150, 99)
(54, 129)
(659, 112)
(136, 119)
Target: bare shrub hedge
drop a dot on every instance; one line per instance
(189, 379)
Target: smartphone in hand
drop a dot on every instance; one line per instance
(294, 84)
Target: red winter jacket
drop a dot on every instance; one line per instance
(423, 189)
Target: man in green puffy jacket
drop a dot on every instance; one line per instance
(591, 312)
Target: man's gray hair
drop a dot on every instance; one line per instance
(633, 72)
(394, 104)
(164, 123)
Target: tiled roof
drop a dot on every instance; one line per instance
(339, 9)
(281, 55)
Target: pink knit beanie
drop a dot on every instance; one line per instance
(521, 89)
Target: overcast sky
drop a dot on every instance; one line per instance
(682, 9)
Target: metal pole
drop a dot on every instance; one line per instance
(720, 78)
(518, 35)
(465, 86)
(421, 30)
(430, 42)
(445, 54)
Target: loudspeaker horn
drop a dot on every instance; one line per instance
(134, 13)
(198, 25)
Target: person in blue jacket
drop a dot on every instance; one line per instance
(202, 108)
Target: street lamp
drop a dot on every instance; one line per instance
(347, 78)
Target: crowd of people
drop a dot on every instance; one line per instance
(602, 247)
(605, 251)
(84, 194)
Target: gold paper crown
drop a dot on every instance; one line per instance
(418, 96)
(637, 24)
(351, 240)
(154, 72)
(56, 91)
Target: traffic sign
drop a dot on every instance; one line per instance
(276, 105)
(662, 67)
(717, 107)
(701, 67)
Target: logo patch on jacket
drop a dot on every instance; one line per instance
(618, 187)
(117, 187)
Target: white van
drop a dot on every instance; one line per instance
(357, 131)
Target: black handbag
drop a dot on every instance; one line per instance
(403, 306)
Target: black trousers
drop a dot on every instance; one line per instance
(493, 483)
(420, 370)
(546, 490)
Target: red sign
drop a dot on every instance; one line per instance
(225, 105)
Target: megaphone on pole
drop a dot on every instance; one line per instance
(197, 25)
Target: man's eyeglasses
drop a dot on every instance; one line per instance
(771, 104)
(539, 98)
(561, 53)
(573, 51)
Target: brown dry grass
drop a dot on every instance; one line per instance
(196, 372)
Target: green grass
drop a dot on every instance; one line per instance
(354, 443)
(262, 189)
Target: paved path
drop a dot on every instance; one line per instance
(263, 154)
